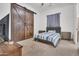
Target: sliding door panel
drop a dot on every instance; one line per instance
(17, 13)
(28, 24)
(21, 23)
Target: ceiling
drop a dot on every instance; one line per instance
(47, 6)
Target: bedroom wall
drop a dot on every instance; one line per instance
(75, 24)
(4, 9)
(66, 18)
(77, 9)
(76, 29)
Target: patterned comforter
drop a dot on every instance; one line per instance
(49, 36)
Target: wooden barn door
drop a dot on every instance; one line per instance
(28, 24)
(22, 23)
(17, 21)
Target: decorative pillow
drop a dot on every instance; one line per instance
(52, 31)
(1, 40)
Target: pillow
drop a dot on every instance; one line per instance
(1, 40)
(52, 31)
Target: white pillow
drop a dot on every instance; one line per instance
(52, 31)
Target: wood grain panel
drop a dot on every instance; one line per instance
(22, 23)
(17, 22)
(28, 24)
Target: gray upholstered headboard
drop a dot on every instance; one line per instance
(57, 29)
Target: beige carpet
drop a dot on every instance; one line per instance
(32, 48)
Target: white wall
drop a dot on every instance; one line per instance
(77, 9)
(75, 24)
(66, 18)
(36, 23)
(76, 29)
(4, 9)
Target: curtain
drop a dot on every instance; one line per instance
(53, 20)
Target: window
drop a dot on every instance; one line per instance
(53, 20)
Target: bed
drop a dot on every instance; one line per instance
(51, 36)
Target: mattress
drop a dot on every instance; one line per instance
(49, 36)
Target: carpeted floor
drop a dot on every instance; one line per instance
(33, 48)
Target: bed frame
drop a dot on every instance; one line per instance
(57, 29)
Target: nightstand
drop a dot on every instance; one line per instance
(66, 35)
